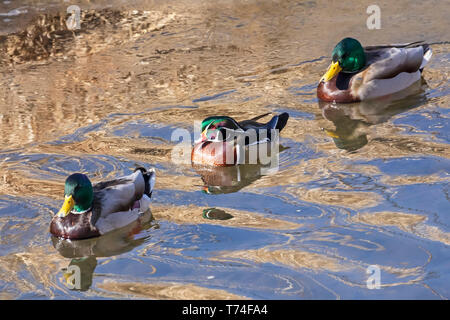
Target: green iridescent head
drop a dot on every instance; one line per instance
(217, 122)
(347, 56)
(350, 55)
(78, 194)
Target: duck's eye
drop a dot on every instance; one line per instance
(211, 134)
(218, 135)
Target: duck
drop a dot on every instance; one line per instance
(359, 74)
(223, 139)
(92, 210)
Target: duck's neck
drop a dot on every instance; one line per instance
(82, 207)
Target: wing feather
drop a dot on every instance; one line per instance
(387, 63)
(382, 87)
(117, 195)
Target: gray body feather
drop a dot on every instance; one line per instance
(391, 69)
(114, 199)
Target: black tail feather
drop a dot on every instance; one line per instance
(282, 121)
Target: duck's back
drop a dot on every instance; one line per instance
(120, 194)
(386, 63)
(390, 69)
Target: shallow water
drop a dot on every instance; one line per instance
(357, 185)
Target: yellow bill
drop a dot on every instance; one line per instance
(331, 133)
(66, 207)
(333, 70)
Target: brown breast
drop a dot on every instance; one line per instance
(329, 92)
(74, 226)
(214, 154)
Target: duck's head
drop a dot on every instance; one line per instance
(217, 128)
(78, 194)
(347, 56)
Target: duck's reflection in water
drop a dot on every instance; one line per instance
(229, 179)
(218, 180)
(222, 180)
(84, 253)
(80, 277)
(351, 120)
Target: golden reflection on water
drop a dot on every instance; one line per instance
(163, 291)
(315, 262)
(355, 200)
(292, 258)
(402, 220)
(37, 262)
(405, 180)
(242, 219)
(413, 223)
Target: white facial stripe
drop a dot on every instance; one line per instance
(229, 132)
(261, 141)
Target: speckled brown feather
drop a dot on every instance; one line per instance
(74, 226)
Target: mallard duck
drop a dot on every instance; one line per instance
(223, 139)
(93, 210)
(358, 73)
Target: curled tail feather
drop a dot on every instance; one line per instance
(427, 53)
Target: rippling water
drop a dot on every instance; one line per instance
(358, 185)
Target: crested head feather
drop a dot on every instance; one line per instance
(216, 122)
